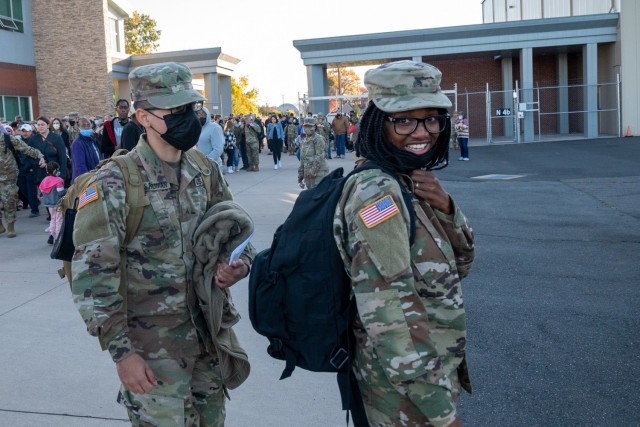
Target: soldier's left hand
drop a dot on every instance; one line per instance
(427, 188)
(227, 275)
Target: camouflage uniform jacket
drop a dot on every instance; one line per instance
(251, 133)
(291, 133)
(313, 164)
(157, 315)
(324, 129)
(409, 299)
(8, 165)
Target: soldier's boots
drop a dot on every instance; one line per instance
(2, 229)
(11, 232)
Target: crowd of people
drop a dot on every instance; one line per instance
(76, 143)
(404, 241)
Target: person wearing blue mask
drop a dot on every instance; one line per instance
(85, 152)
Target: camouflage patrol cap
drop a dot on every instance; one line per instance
(309, 121)
(74, 114)
(320, 114)
(165, 85)
(405, 85)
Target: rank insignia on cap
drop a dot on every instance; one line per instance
(378, 212)
(89, 195)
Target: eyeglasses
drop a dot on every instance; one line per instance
(408, 125)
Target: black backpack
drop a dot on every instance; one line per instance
(300, 293)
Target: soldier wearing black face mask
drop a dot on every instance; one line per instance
(154, 328)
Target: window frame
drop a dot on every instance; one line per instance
(12, 22)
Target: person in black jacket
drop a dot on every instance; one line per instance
(131, 133)
(52, 146)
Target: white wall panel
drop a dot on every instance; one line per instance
(591, 7)
(487, 11)
(514, 12)
(499, 10)
(532, 9)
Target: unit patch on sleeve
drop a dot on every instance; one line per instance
(378, 212)
(89, 195)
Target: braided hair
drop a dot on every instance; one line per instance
(374, 146)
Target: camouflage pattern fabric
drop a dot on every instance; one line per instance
(324, 130)
(251, 132)
(291, 135)
(9, 174)
(410, 329)
(164, 85)
(405, 85)
(189, 393)
(157, 315)
(313, 163)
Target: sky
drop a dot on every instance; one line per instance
(261, 34)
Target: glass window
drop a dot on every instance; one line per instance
(16, 9)
(11, 15)
(5, 8)
(25, 108)
(11, 108)
(113, 32)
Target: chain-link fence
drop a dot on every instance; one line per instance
(497, 115)
(558, 111)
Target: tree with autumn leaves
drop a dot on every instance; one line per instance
(141, 35)
(343, 81)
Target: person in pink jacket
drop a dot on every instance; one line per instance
(52, 188)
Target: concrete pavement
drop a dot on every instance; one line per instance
(552, 301)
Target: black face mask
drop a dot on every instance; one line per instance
(183, 129)
(203, 120)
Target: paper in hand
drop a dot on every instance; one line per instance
(238, 251)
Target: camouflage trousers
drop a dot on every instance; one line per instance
(8, 199)
(253, 154)
(388, 404)
(311, 181)
(189, 393)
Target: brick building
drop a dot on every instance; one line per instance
(60, 56)
(550, 67)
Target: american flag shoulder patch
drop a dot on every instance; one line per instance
(89, 195)
(378, 212)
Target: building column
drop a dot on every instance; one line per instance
(526, 77)
(590, 70)
(317, 84)
(225, 96)
(563, 93)
(211, 92)
(507, 97)
(124, 90)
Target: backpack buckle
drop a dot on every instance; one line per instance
(339, 358)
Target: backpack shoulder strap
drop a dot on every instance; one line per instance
(136, 198)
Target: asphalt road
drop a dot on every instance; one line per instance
(552, 301)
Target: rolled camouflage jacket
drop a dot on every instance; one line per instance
(409, 298)
(157, 315)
